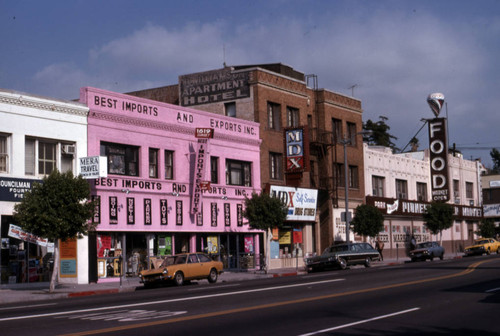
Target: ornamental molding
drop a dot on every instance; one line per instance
(48, 105)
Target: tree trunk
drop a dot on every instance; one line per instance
(55, 271)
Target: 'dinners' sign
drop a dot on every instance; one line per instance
(438, 146)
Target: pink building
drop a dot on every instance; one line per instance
(148, 203)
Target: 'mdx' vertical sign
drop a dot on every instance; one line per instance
(295, 147)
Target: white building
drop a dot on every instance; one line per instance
(37, 135)
(400, 186)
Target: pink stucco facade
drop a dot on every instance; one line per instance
(153, 160)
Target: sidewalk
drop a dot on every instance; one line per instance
(40, 291)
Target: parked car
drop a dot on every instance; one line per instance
(483, 245)
(343, 255)
(181, 268)
(427, 250)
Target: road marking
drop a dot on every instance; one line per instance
(125, 315)
(493, 290)
(469, 269)
(30, 306)
(168, 301)
(210, 287)
(361, 322)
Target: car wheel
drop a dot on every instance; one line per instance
(441, 257)
(413, 259)
(431, 257)
(488, 252)
(368, 262)
(342, 263)
(179, 279)
(212, 277)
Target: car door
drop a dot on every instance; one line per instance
(192, 267)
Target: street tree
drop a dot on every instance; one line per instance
(58, 208)
(438, 217)
(368, 221)
(487, 228)
(264, 212)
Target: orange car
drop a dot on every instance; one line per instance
(183, 267)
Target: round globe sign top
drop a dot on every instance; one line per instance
(435, 101)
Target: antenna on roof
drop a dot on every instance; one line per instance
(224, 54)
(352, 89)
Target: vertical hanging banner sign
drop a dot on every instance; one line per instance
(147, 212)
(438, 147)
(130, 210)
(199, 174)
(163, 212)
(113, 210)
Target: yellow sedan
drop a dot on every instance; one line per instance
(183, 267)
(483, 245)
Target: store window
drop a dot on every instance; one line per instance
(169, 165)
(4, 155)
(122, 159)
(238, 173)
(287, 243)
(153, 163)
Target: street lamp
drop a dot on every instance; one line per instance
(344, 142)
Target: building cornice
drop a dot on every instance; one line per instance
(42, 103)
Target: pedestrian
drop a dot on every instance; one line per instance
(379, 245)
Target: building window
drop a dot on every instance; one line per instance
(353, 177)
(122, 159)
(351, 133)
(292, 116)
(421, 191)
(41, 157)
(456, 190)
(274, 116)
(214, 169)
(276, 166)
(169, 165)
(339, 174)
(402, 189)
(469, 190)
(337, 130)
(378, 185)
(46, 158)
(4, 155)
(238, 173)
(230, 109)
(153, 163)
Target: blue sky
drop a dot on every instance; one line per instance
(395, 52)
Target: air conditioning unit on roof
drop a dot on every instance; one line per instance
(68, 149)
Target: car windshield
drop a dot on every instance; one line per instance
(424, 245)
(482, 241)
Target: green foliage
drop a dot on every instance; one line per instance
(367, 221)
(438, 217)
(495, 157)
(380, 135)
(487, 228)
(57, 208)
(264, 212)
